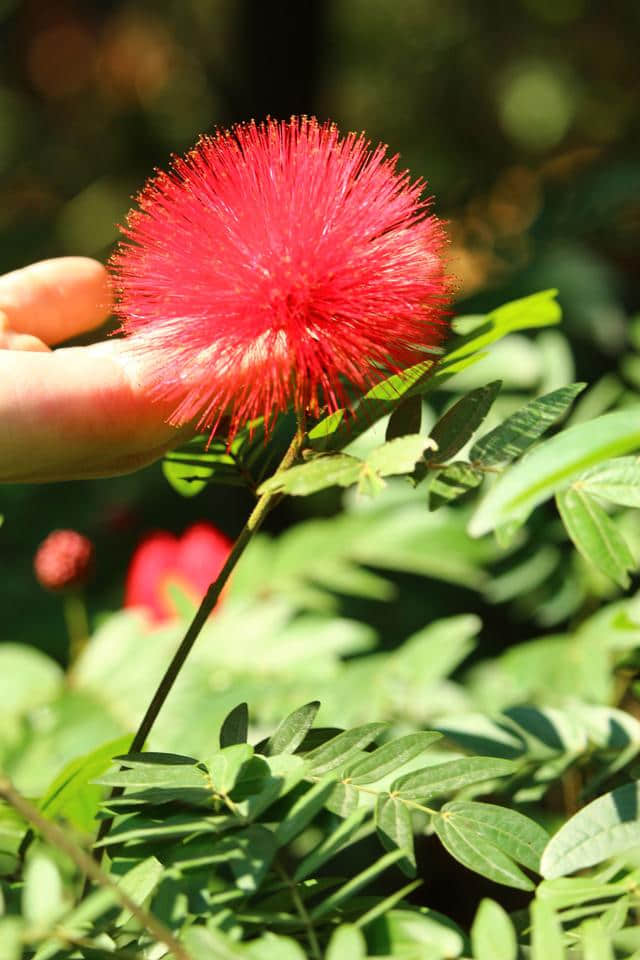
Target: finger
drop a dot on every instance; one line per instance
(56, 299)
(89, 417)
(18, 341)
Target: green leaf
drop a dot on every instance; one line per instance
(519, 431)
(546, 933)
(344, 426)
(28, 678)
(553, 465)
(398, 456)
(346, 943)
(493, 936)
(616, 480)
(251, 853)
(139, 883)
(393, 824)
(491, 840)
(271, 946)
(10, 938)
(185, 478)
(460, 422)
(43, 897)
(153, 774)
(444, 778)
(351, 887)
(225, 766)
(303, 811)
(235, 726)
(453, 482)
(292, 730)
(72, 795)
(605, 827)
(389, 757)
(537, 310)
(330, 470)
(340, 749)
(331, 844)
(406, 418)
(595, 535)
(596, 941)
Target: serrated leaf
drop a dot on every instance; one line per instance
(235, 726)
(303, 811)
(595, 535)
(546, 933)
(553, 465)
(616, 480)
(331, 844)
(460, 422)
(393, 824)
(491, 840)
(406, 418)
(346, 943)
(292, 730)
(605, 827)
(453, 482)
(444, 778)
(519, 431)
(389, 757)
(339, 749)
(493, 936)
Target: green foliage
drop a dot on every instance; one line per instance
(307, 831)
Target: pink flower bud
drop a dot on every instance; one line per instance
(64, 561)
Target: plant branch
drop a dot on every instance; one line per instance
(301, 909)
(253, 524)
(87, 865)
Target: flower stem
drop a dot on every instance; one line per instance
(75, 615)
(256, 518)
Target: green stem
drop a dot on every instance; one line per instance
(87, 865)
(75, 615)
(256, 518)
(301, 909)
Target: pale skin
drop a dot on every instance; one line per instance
(72, 412)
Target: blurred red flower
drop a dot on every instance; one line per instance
(162, 561)
(64, 561)
(272, 265)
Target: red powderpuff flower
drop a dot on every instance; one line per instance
(275, 263)
(64, 561)
(163, 561)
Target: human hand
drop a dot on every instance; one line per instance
(75, 412)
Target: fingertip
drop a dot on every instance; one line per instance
(56, 299)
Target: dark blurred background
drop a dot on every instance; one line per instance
(523, 116)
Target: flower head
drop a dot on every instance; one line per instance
(274, 264)
(64, 561)
(162, 562)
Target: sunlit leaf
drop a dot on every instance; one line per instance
(595, 535)
(553, 465)
(519, 431)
